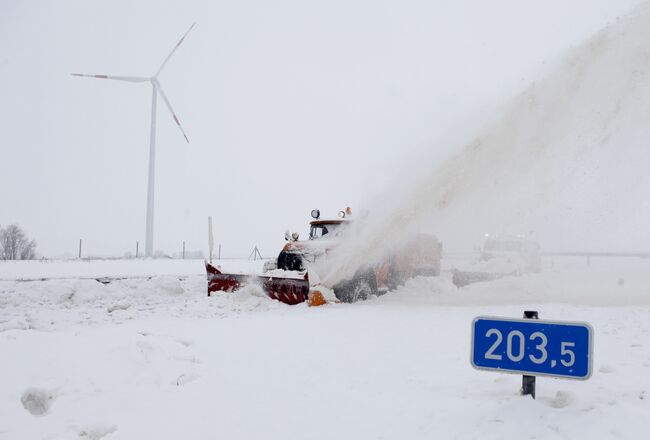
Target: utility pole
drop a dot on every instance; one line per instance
(210, 237)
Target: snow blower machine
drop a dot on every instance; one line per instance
(286, 278)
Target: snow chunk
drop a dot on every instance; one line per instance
(37, 400)
(120, 305)
(562, 399)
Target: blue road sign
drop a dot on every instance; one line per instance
(533, 347)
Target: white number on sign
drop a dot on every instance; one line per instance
(490, 353)
(511, 336)
(564, 351)
(541, 347)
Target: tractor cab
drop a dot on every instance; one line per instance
(326, 228)
(329, 229)
(323, 237)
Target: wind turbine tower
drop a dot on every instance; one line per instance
(156, 90)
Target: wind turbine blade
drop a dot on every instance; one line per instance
(136, 79)
(171, 110)
(174, 49)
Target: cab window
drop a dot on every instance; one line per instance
(317, 231)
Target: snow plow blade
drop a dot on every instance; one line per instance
(287, 290)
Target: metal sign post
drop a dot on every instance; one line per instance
(528, 382)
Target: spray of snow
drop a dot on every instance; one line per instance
(556, 162)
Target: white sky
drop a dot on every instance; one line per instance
(289, 105)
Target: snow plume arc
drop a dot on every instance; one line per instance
(566, 158)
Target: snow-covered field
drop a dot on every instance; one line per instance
(151, 356)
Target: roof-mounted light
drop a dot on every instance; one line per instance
(342, 214)
(315, 213)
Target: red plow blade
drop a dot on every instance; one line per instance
(287, 290)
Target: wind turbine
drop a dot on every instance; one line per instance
(157, 89)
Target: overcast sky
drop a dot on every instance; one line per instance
(289, 105)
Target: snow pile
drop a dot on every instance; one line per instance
(53, 304)
(62, 293)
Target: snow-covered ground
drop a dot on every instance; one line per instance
(151, 356)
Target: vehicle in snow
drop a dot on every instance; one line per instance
(522, 255)
(499, 257)
(287, 278)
